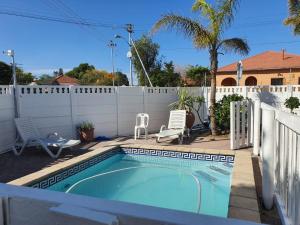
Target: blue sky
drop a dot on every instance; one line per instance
(43, 46)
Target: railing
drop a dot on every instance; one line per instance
(241, 124)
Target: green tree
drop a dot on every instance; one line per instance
(79, 71)
(45, 79)
(148, 51)
(292, 103)
(96, 77)
(165, 76)
(121, 79)
(5, 73)
(23, 78)
(198, 74)
(208, 35)
(294, 16)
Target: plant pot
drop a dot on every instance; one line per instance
(86, 135)
(190, 119)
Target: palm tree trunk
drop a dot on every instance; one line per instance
(213, 71)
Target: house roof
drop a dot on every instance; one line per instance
(266, 61)
(63, 79)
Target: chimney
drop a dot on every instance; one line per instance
(283, 54)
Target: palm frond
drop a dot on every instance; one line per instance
(226, 10)
(206, 9)
(294, 6)
(236, 45)
(185, 25)
(294, 21)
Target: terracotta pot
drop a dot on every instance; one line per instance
(86, 135)
(190, 119)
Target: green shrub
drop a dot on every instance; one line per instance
(85, 126)
(223, 111)
(292, 103)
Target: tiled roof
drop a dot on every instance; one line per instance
(266, 61)
(63, 79)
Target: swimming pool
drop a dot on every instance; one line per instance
(172, 180)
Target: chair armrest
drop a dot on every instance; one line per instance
(163, 127)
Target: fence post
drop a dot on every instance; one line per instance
(232, 126)
(268, 133)
(256, 127)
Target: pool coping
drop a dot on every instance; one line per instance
(243, 199)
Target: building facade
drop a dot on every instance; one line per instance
(267, 68)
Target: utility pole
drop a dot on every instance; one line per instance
(11, 54)
(129, 28)
(112, 45)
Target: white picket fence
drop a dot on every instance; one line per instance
(276, 138)
(241, 124)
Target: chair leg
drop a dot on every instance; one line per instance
(139, 133)
(135, 130)
(16, 152)
(146, 133)
(45, 147)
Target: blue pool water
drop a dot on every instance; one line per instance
(182, 184)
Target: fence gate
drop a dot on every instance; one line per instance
(241, 123)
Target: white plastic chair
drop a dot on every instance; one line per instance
(141, 122)
(30, 136)
(176, 126)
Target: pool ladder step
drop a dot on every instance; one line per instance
(222, 171)
(206, 176)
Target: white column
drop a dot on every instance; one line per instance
(268, 131)
(256, 127)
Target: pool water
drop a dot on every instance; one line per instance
(181, 184)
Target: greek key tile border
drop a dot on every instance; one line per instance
(49, 181)
(177, 154)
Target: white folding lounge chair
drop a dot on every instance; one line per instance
(29, 136)
(176, 126)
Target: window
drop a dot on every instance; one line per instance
(277, 81)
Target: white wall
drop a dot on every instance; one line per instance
(111, 109)
(7, 128)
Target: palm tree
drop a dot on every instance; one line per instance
(208, 35)
(294, 17)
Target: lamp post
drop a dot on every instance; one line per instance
(239, 72)
(112, 45)
(129, 55)
(11, 53)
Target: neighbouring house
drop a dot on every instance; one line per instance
(267, 68)
(65, 80)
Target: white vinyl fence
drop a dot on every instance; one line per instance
(276, 137)
(280, 147)
(241, 124)
(7, 128)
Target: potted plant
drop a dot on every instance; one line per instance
(185, 102)
(86, 131)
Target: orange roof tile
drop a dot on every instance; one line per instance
(266, 61)
(63, 79)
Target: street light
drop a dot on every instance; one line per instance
(112, 45)
(131, 43)
(11, 53)
(129, 56)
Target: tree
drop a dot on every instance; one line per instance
(77, 72)
(23, 78)
(294, 16)
(292, 103)
(121, 79)
(96, 77)
(5, 73)
(198, 75)
(45, 79)
(148, 51)
(166, 76)
(208, 35)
